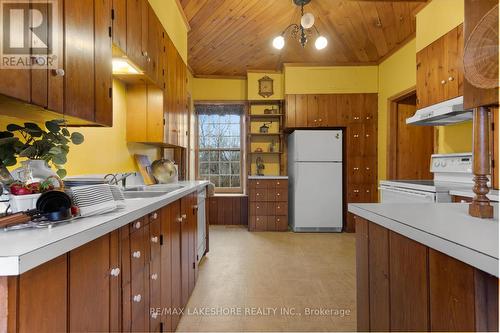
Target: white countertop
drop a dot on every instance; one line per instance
(467, 192)
(445, 227)
(22, 250)
(267, 177)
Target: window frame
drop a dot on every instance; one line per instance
(242, 149)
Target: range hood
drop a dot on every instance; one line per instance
(445, 113)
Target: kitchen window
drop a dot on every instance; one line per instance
(220, 155)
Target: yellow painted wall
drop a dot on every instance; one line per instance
(333, 79)
(219, 89)
(171, 19)
(436, 19)
(253, 86)
(396, 74)
(105, 149)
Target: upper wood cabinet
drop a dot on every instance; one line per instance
(80, 86)
(440, 69)
(145, 118)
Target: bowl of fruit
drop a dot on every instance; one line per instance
(23, 196)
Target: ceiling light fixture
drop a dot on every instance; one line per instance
(302, 31)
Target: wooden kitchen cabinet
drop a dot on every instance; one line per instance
(135, 22)
(80, 87)
(268, 206)
(119, 20)
(145, 118)
(175, 249)
(155, 274)
(403, 285)
(440, 69)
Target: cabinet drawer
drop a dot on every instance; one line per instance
(358, 193)
(277, 194)
(259, 194)
(259, 208)
(281, 208)
(280, 183)
(265, 183)
(260, 223)
(281, 223)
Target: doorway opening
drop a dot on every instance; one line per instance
(409, 147)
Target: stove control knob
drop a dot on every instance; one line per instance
(443, 163)
(436, 164)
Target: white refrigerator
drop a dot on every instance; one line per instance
(315, 180)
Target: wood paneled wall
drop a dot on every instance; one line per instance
(228, 210)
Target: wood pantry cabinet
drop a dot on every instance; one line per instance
(268, 209)
(357, 115)
(403, 285)
(111, 283)
(80, 86)
(440, 69)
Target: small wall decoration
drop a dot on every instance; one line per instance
(266, 86)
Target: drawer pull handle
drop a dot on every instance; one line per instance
(115, 271)
(367, 168)
(136, 254)
(258, 194)
(277, 220)
(443, 81)
(277, 183)
(258, 183)
(154, 239)
(367, 135)
(463, 201)
(154, 314)
(155, 216)
(356, 135)
(356, 118)
(278, 207)
(154, 276)
(258, 207)
(184, 216)
(356, 191)
(320, 119)
(451, 78)
(179, 219)
(258, 219)
(137, 225)
(278, 194)
(367, 191)
(356, 169)
(137, 298)
(58, 72)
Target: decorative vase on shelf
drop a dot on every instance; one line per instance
(33, 171)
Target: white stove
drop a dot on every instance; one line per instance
(451, 172)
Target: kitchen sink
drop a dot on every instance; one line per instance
(142, 194)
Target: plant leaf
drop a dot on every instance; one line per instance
(77, 138)
(52, 126)
(61, 173)
(55, 151)
(33, 126)
(59, 159)
(65, 131)
(6, 134)
(13, 127)
(29, 152)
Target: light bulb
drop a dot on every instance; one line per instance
(307, 20)
(278, 42)
(321, 42)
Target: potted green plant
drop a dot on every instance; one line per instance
(42, 148)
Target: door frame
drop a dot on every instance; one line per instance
(392, 108)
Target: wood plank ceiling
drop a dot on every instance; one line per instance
(228, 37)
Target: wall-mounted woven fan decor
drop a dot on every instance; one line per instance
(481, 52)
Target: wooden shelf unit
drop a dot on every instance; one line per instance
(276, 136)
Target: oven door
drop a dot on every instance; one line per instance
(403, 195)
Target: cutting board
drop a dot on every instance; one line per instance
(144, 165)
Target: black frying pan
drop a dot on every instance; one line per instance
(55, 205)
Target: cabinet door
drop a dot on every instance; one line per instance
(301, 110)
(153, 45)
(453, 51)
(137, 117)
(89, 281)
(120, 24)
(103, 79)
(155, 272)
(166, 265)
(40, 290)
(79, 97)
(343, 102)
(185, 262)
(378, 262)
(134, 32)
(326, 113)
(193, 234)
(362, 274)
(139, 306)
(115, 286)
(290, 111)
(422, 71)
(125, 277)
(408, 284)
(436, 77)
(312, 111)
(175, 247)
(155, 116)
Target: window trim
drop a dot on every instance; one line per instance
(241, 188)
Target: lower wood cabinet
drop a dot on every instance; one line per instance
(134, 279)
(403, 285)
(268, 205)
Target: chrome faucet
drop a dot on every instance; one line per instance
(115, 178)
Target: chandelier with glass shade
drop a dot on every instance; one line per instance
(303, 31)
